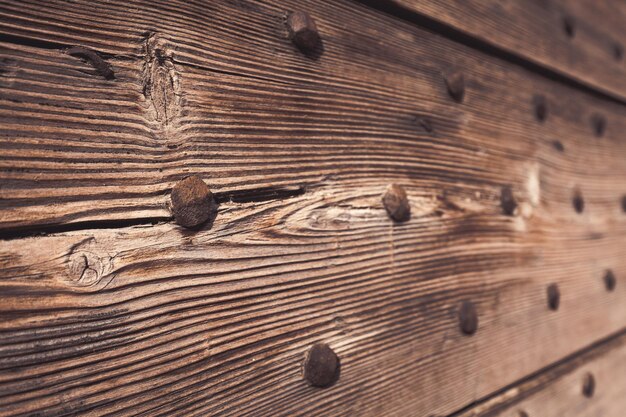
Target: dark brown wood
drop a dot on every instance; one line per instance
(560, 389)
(581, 40)
(109, 307)
(79, 148)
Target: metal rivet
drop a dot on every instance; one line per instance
(321, 366)
(101, 66)
(558, 145)
(609, 280)
(554, 296)
(455, 81)
(598, 123)
(589, 385)
(578, 202)
(192, 202)
(507, 200)
(618, 51)
(568, 26)
(303, 31)
(396, 203)
(468, 317)
(541, 107)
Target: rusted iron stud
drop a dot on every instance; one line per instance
(396, 203)
(321, 367)
(303, 31)
(192, 202)
(589, 385)
(455, 81)
(468, 317)
(507, 200)
(598, 123)
(609, 280)
(541, 107)
(554, 296)
(578, 202)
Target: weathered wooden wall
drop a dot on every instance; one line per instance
(109, 307)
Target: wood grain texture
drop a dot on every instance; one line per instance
(157, 320)
(584, 40)
(120, 318)
(558, 391)
(218, 90)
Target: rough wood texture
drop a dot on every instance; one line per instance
(163, 321)
(558, 391)
(233, 100)
(115, 310)
(583, 40)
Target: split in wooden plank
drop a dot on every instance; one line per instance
(587, 384)
(582, 40)
(165, 321)
(219, 91)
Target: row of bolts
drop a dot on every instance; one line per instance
(192, 204)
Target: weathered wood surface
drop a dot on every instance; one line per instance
(582, 40)
(233, 101)
(562, 390)
(162, 321)
(119, 318)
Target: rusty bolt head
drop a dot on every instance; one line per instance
(598, 122)
(578, 202)
(609, 280)
(191, 202)
(455, 81)
(522, 413)
(541, 107)
(558, 145)
(321, 366)
(554, 296)
(624, 203)
(589, 385)
(569, 26)
(507, 200)
(303, 31)
(468, 317)
(618, 51)
(396, 203)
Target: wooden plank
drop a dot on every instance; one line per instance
(163, 321)
(234, 102)
(564, 390)
(581, 40)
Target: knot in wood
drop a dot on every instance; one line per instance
(468, 317)
(589, 385)
(396, 203)
(507, 200)
(86, 268)
(541, 107)
(321, 367)
(303, 31)
(161, 83)
(554, 297)
(609, 280)
(192, 202)
(455, 81)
